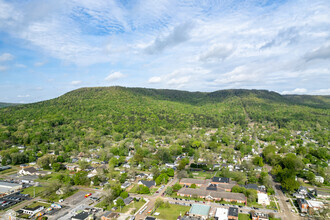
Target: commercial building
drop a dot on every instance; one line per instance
(221, 214)
(7, 188)
(201, 211)
(263, 199)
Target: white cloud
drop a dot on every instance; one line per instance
(23, 96)
(3, 68)
(155, 79)
(39, 64)
(217, 52)
(114, 76)
(321, 92)
(6, 57)
(76, 83)
(296, 91)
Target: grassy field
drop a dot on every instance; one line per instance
(171, 212)
(243, 216)
(35, 204)
(30, 191)
(135, 205)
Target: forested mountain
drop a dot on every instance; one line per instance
(86, 116)
(4, 104)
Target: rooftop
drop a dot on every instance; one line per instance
(233, 211)
(198, 209)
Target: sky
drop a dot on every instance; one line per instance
(48, 48)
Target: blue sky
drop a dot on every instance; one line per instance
(48, 48)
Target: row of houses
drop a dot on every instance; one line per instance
(212, 195)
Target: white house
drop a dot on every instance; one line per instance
(319, 179)
(221, 214)
(263, 199)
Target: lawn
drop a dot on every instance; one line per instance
(172, 211)
(30, 191)
(136, 205)
(243, 216)
(35, 204)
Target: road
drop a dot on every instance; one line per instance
(152, 199)
(286, 212)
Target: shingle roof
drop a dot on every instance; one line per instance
(148, 183)
(30, 169)
(199, 209)
(220, 179)
(192, 181)
(213, 194)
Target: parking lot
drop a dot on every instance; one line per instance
(12, 199)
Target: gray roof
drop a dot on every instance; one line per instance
(148, 183)
(191, 181)
(233, 211)
(213, 194)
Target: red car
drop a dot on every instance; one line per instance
(88, 195)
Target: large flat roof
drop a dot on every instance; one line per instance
(199, 209)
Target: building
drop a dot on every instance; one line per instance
(303, 205)
(302, 190)
(259, 216)
(319, 179)
(109, 215)
(232, 213)
(81, 216)
(315, 205)
(212, 195)
(6, 188)
(201, 211)
(263, 199)
(221, 214)
(125, 185)
(33, 171)
(190, 181)
(220, 180)
(32, 211)
(322, 194)
(146, 183)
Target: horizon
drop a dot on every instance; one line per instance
(50, 48)
(180, 90)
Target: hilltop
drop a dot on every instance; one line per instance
(93, 113)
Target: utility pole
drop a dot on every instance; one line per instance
(34, 192)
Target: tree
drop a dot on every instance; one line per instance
(123, 178)
(177, 187)
(124, 194)
(170, 172)
(169, 190)
(80, 178)
(57, 167)
(120, 202)
(193, 186)
(290, 184)
(258, 161)
(182, 174)
(159, 202)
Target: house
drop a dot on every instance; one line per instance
(32, 211)
(212, 195)
(259, 216)
(141, 175)
(232, 213)
(125, 185)
(190, 181)
(258, 169)
(302, 190)
(221, 214)
(251, 186)
(148, 184)
(297, 195)
(319, 179)
(315, 205)
(150, 218)
(263, 199)
(71, 167)
(216, 166)
(201, 211)
(220, 180)
(303, 205)
(128, 200)
(27, 171)
(109, 215)
(126, 165)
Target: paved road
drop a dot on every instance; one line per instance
(286, 212)
(152, 199)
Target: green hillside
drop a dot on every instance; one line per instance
(4, 104)
(87, 116)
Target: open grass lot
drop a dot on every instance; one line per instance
(243, 216)
(134, 204)
(35, 204)
(171, 212)
(202, 175)
(30, 190)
